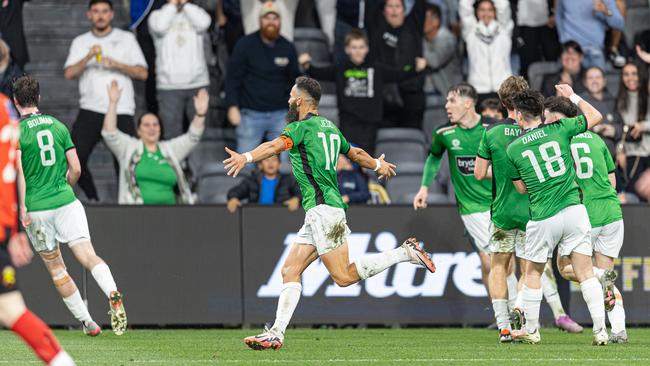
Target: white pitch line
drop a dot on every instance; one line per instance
(363, 360)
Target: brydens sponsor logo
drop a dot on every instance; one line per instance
(463, 269)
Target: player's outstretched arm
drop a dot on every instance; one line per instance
(74, 167)
(236, 162)
(520, 186)
(482, 169)
(110, 118)
(592, 115)
(383, 168)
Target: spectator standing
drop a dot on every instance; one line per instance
(570, 73)
(487, 30)
(9, 70)
(353, 185)
(359, 85)
(632, 104)
(11, 30)
(97, 57)
(395, 41)
(262, 70)
(611, 128)
(150, 169)
(286, 9)
(536, 24)
(350, 14)
(178, 29)
(586, 21)
(441, 52)
(266, 186)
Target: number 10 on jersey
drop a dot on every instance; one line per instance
(331, 152)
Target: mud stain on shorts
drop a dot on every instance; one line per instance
(337, 233)
(499, 235)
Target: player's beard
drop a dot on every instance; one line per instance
(293, 114)
(271, 32)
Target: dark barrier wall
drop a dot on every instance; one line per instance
(201, 265)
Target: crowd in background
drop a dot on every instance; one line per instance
(386, 59)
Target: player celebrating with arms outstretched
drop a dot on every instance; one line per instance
(48, 167)
(541, 164)
(314, 144)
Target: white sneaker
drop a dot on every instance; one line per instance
(600, 337)
(522, 335)
(417, 255)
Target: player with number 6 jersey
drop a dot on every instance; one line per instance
(314, 144)
(595, 171)
(542, 165)
(48, 167)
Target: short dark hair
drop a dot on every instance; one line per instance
(309, 86)
(530, 103)
(509, 87)
(139, 120)
(355, 34)
(26, 91)
(571, 45)
(602, 72)
(490, 103)
(564, 105)
(93, 2)
(464, 90)
(433, 8)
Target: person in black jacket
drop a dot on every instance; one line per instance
(353, 185)
(396, 40)
(571, 72)
(9, 70)
(359, 85)
(266, 187)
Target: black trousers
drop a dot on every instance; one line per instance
(362, 134)
(86, 133)
(409, 115)
(539, 44)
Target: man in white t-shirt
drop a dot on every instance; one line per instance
(97, 57)
(178, 29)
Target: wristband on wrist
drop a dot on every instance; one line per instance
(378, 164)
(249, 157)
(201, 115)
(575, 98)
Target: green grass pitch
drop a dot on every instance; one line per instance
(429, 346)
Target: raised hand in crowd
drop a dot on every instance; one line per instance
(304, 60)
(643, 55)
(420, 64)
(201, 102)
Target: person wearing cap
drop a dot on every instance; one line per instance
(262, 69)
(570, 73)
(178, 29)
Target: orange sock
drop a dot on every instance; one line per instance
(37, 335)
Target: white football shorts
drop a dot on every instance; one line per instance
(66, 225)
(608, 239)
(325, 228)
(507, 241)
(478, 227)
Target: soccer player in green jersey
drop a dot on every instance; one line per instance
(596, 178)
(509, 214)
(461, 140)
(314, 144)
(48, 167)
(541, 164)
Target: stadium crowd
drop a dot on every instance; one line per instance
(386, 64)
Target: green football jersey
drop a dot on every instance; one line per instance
(593, 164)
(541, 157)
(43, 144)
(509, 207)
(461, 145)
(316, 147)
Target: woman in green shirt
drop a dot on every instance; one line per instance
(150, 171)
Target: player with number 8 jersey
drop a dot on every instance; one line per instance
(48, 166)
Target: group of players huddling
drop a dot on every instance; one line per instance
(540, 159)
(552, 187)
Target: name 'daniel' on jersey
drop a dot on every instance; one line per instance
(465, 164)
(532, 136)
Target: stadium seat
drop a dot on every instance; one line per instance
(537, 70)
(403, 187)
(400, 152)
(433, 118)
(328, 108)
(314, 42)
(211, 148)
(401, 135)
(213, 184)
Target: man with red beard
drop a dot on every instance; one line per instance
(262, 69)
